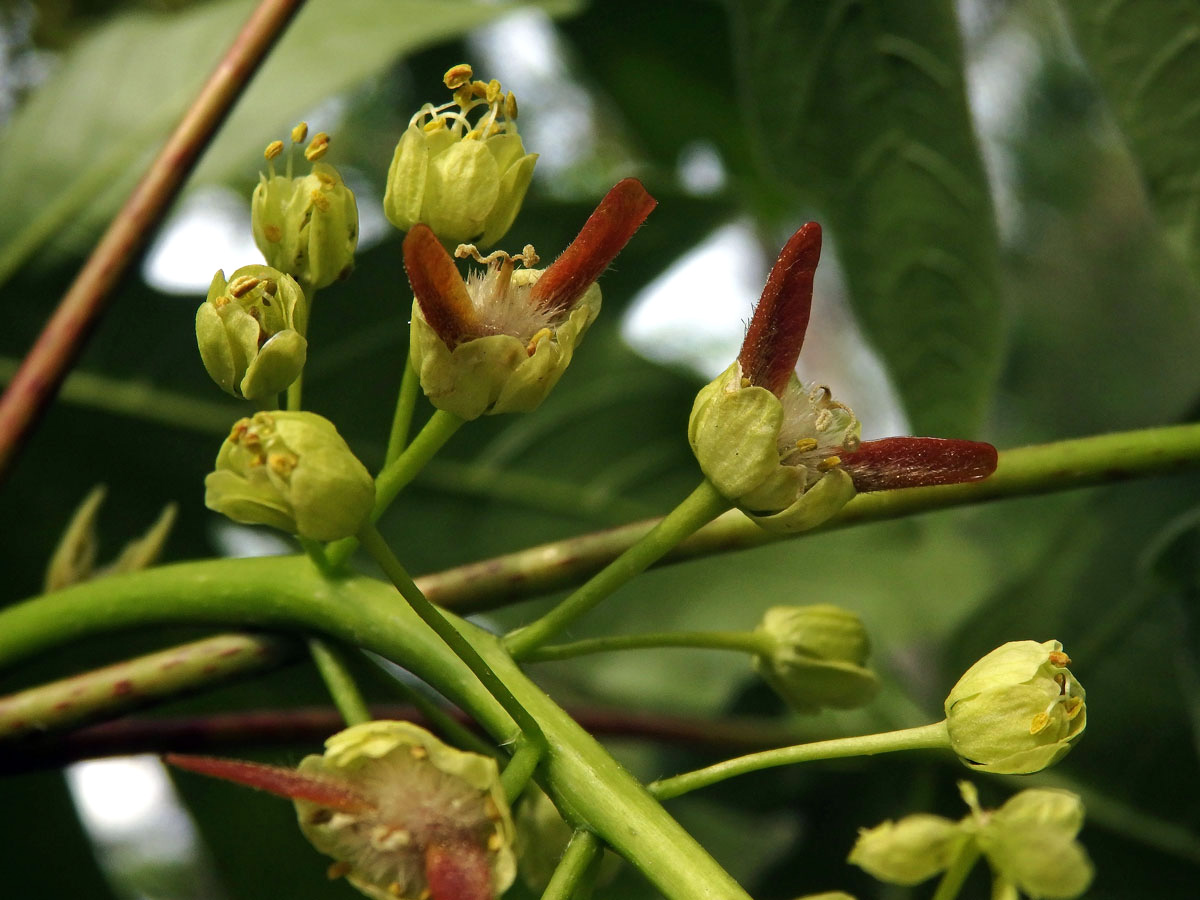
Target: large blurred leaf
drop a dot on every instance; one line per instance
(76, 148)
(1146, 56)
(861, 108)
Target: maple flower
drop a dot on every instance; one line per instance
(405, 816)
(499, 341)
(790, 455)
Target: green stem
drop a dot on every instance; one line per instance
(331, 663)
(374, 544)
(107, 692)
(398, 473)
(406, 403)
(922, 737)
(287, 593)
(516, 775)
(742, 641)
(703, 505)
(1003, 889)
(295, 391)
(581, 851)
(1027, 471)
(956, 876)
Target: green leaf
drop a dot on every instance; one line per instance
(74, 151)
(1146, 57)
(861, 110)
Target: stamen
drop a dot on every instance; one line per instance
(273, 150)
(531, 347)
(457, 76)
(807, 444)
(1039, 723)
(338, 870)
(317, 147)
(299, 133)
(1059, 658)
(510, 105)
(829, 462)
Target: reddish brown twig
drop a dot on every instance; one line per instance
(62, 339)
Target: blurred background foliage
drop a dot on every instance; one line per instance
(1010, 191)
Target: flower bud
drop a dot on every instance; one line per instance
(250, 331)
(1030, 841)
(293, 471)
(500, 342)
(465, 181)
(306, 226)
(909, 851)
(1017, 710)
(817, 657)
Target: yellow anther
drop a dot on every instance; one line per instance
(396, 889)
(828, 463)
(320, 201)
(434, 125)
(494, 130)
(495, 842)
(1072, 706)
(493, 91)
(538, 337)
(257, 461)
(270, 287)
(1039, 723)
(457, 76)
(805, 445)
(282, 464)
(490, 809)
(317, 147)
(299, 133)
(418, 752)
(273, 149)
(479, 88)
(273, 233)
(1060, 659)
(425, 894)
(463, 95)
(221, 301)
(510, 105)
(338, 870)
(745, 382)
(327, 180)
(242, 285)
(472, 135)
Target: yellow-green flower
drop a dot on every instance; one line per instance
(461, 167)
(1017, 710)
(293, 471)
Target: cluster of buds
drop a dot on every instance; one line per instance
(1018, 710)
(461, 168)
(292, 471)
(250, 332)
(305, 225)
(405, 816)
(1029, 843)
(790, 455)
(500, 341)
(817, 657)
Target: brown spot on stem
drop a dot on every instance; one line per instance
(604, 234)
(902, 462)
(122, 688)
(439, 288)
(780, 319)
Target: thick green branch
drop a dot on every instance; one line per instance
(287, 594)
